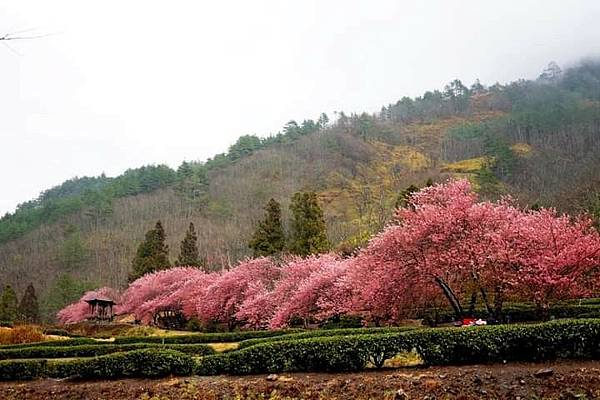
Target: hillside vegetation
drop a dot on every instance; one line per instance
(536, 140)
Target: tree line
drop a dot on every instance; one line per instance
(308, 236)
(12, 310)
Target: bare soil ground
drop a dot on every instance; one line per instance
(566, 380)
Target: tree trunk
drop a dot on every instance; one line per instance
(458, 311)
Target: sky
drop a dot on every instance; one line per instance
(113, 85)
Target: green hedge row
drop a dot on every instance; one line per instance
(97, 350)
(205, 337)
(55, 343)
(149, 363)
(579, 339)
(522, 312)
(325, 333)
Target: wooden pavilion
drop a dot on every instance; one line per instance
(101, 309)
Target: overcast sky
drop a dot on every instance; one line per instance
(120, 84)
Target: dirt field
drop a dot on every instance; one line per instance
(566, 380)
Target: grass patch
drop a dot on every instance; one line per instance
(223, 347)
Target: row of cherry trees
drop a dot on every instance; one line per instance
(443, 248)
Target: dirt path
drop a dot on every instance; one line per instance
(567, 380)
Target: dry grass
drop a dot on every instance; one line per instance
(21, 334)
(470, 165)
(521, 149)
(221, 347)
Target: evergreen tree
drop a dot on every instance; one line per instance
(269, 238)
(404, 196)
(29, 309)
(152, 254)
(188, 250)
(309, 234)
(8, 304)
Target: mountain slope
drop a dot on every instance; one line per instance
(537, 140)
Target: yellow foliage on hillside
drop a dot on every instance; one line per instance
(521, 149)
(470, 165)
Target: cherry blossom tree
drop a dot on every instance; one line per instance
(261, 304)
(561, 258)
(161, 291)
(444, 245)
(224, 296)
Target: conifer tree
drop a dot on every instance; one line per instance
(188, 250)
(152, 254)
(404, 196)
(29, 309)
(8, 304)
(309, 233)
(269, 238)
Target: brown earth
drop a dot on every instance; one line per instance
(565, 380)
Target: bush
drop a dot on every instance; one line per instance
(343, 321)
(21, 334)
(324, 333)
(147, 363)
(97, 350)
(577, 339)
(322, 354)
(58, 332)
(522, 312)
(54, 343)
(21, 370)
(204, 337)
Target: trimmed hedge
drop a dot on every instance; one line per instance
(22, 369)
(578, 339)
(55, 343)
(97, 350)
(523, 312)
(205, 337)
(146, 363)
(325, 333)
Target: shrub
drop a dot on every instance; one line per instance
(523, 312)
(21, 334)
(322, 354)
(204, 337)
(58, 332)
(578, 339)
(343, 321)
(22, 369)
(54, 343)
(148, 363)
(97, 350)
(324, 333)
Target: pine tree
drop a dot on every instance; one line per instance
(8, 304)
(309, 233)
(29, 309)
(188, 250)
(269, 238)
(152, 254)
(404, 196)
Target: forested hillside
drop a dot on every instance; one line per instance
(538, 140)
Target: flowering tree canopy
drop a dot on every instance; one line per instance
(443, 246)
